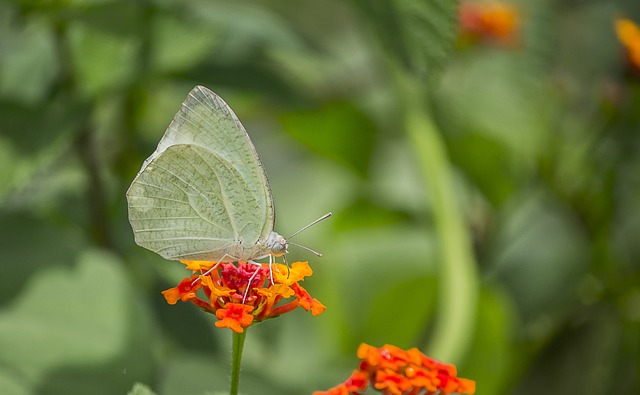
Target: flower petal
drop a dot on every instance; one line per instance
(185, 291)
(202, 266)
(307, 302)
(235, 317)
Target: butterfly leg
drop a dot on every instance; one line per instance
(272, 260)
(246, 291)
(271, 269)
(214, 267)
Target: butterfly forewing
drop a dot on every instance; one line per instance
(203, 190)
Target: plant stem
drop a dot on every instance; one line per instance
(458, 284)
(236, 360)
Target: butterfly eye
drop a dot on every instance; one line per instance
(279, 248)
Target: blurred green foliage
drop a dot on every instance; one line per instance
(537, 147)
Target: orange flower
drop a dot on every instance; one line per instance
(394, 371)
(489, 21)
(237, 294)
(201, 266)
(235, 317)
(216, 289)
(391, 382)
(357, 382)
(297, 272)
(387, 357)
(273, 295)
(629, 35)
(185, 291)
(307, 302)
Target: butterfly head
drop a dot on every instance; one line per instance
(276, 244)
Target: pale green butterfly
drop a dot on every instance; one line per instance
(203, 194)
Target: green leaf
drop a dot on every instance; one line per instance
(76, 330)
(409, 303)
(101, 61)
(140, 389)
(487, 163)
(491, 357)
(56, 246)
(180, 44)
(29, 68)
(541, 280)
(192, 373)
(421, 34)
(12, 384)
(37, 127)
(338, 131)
(380, 269)
(495, 94)
(247, 29)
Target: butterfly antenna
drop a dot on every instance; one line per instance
(306, 248)
(327, 215)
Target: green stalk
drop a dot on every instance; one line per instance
(458, 279)
(236, 360)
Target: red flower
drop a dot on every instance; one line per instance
(394, 371)
(489, 21)
(237, 294)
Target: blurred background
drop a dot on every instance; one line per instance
(481, 161)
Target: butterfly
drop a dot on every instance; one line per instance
(203, 194)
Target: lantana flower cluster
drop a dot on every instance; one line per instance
(489, 21)
(274, 290)
(394, 371)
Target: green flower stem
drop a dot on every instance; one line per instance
(458, 279)
(236, 360)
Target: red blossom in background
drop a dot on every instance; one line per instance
(489, 21)
(394, 371)
(225, 292)
(629, 35)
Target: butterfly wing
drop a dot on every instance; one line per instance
(203, 191)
